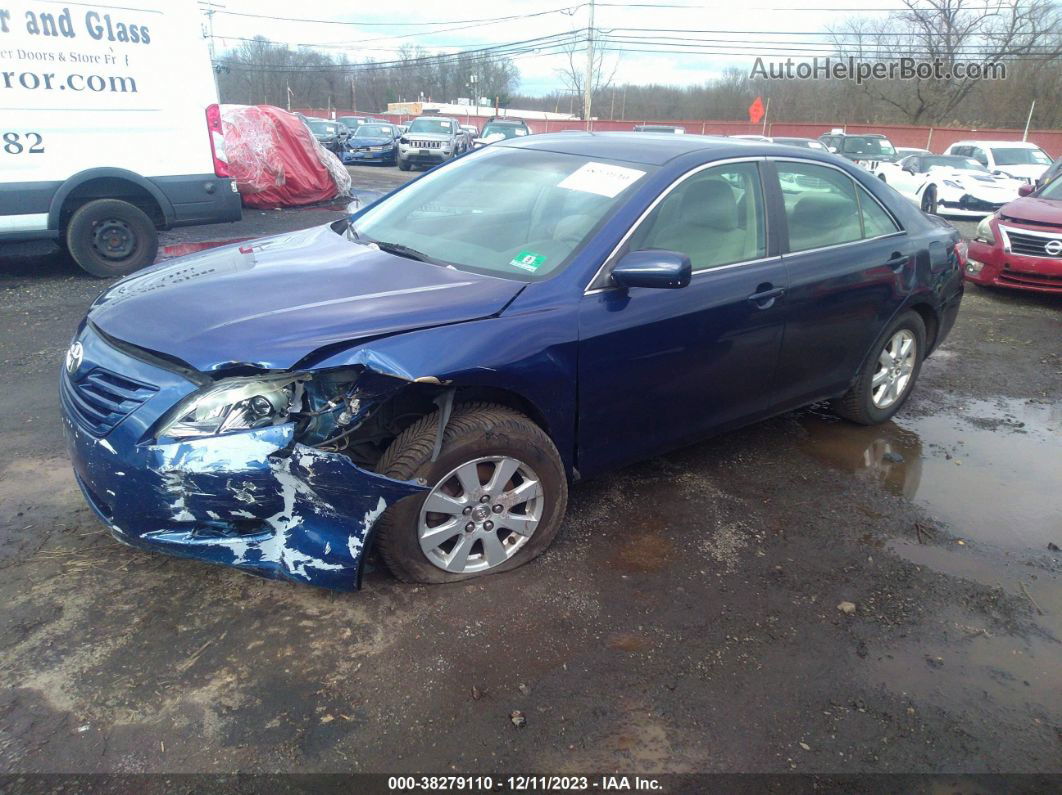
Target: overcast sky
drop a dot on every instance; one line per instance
(373, 31)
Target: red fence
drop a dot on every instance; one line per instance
(936, 139)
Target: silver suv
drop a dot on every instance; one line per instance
(429, 141)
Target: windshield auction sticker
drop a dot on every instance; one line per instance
(528, 261)
(603, 179)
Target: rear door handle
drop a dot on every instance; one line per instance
(897, 260)
(766, 296)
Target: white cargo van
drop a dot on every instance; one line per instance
(109, 128)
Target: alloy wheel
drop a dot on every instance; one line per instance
(480, 514)
(896, 364)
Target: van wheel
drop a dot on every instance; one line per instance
(109, 238)
(497, 496)
(889, 373)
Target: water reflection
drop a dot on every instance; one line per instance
(991, 469)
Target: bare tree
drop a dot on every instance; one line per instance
(573, 73)
(1010, 32)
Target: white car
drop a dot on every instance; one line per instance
(104, 140)
(949, 185)
(1020, 159)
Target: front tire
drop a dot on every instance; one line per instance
(888, 375)
(109, 238)
(498, 495)
(929, 200)
(403, 165)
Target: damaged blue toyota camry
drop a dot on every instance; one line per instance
(428, 376)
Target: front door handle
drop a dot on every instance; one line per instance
(765, 296)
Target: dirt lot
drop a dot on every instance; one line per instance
(686, 620)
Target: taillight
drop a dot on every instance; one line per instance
(217, 141)
(962, 251)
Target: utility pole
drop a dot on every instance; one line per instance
(588, 87)
(353, 95)
(211, 9)
(1028, 120)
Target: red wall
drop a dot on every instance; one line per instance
(936, 139)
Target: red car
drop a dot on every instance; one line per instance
(1021, 245)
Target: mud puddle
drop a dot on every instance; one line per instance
(990, 469)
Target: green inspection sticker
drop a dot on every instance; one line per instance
(528, 261)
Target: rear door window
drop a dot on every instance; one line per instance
(821, 207)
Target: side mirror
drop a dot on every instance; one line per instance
(654, 269)
(1025, 190)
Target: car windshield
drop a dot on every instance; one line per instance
(373, 131)
(862, 145)
(508, 130)
(516, 213)
(444, 126)
(953, 161)
(325, 127)
(351, 121)
(1020, 156)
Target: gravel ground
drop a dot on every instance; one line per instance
(688, 618)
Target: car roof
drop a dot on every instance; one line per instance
(651, 149)
(994, 142)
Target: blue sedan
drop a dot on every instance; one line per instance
(432, 373)
(372, 143)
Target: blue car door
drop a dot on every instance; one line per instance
(663, 367)
(850, 268)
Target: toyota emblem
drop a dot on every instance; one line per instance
(1053, 247)
(74, 356)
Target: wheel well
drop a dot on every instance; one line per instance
(416, 401)
(111, 188)
(932, 322)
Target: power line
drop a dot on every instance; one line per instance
(533, 45)
(564, 9)
(568, 10)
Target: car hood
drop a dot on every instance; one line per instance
(417, 136)
(977, 179)
(366, 141)
(1028, 172)
(269, 303)
(1034, 210)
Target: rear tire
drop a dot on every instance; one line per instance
(859, 404)
(110, 238)
(476, 432)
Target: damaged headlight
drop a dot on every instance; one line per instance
(235, 404)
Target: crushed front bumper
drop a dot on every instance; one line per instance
(255, 500)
